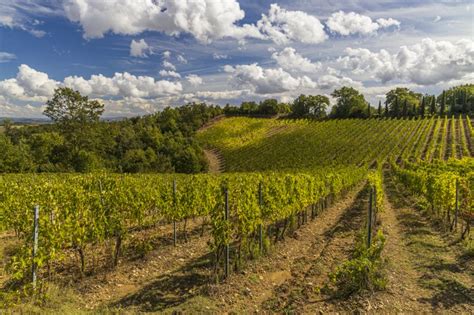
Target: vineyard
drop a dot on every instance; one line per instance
(266, 144)
(279, 176)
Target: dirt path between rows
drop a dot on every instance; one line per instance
(310, 270)
(272, 283)
(216, 162)
(426, 272)
(134, 274)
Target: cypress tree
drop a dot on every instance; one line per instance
(443, 104)
(386, 108)
(368, 109)
(464, 102)
(422, 107)
(380, 108)
(433, 106)
(453, 103)
(413, 111)
(405, 108)
(396, 108)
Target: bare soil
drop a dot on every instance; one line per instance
(428, 271)
(216, 162)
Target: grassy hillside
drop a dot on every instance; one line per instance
(248, 144)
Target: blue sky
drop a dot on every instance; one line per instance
(139, 56)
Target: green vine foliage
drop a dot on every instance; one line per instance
(363, 272)
(79, 210)
(437, 184)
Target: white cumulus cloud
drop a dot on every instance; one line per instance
(31, 85)
(123, 85)
(168, 65)
(283, 26)
(139, 48)
(266, 81)
(290, 60)
(353, 23)
(429, 62)
(206, 20)
(194, 79)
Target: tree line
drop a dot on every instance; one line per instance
(350, 103)
(79, 141)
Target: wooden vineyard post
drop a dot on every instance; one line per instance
(375, 205)
(227, 246)
(35, 244)
(456, 212)
(174, 220)
(260, 227)
(369, 219)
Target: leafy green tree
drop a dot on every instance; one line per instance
(462, 95)
(248, 107)
(14, 158)
(350, 103)
(44, 148)
(397, 96)
(69, 107)
(314, 106)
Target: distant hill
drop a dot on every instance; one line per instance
(42, 121)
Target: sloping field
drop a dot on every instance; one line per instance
(250, 144)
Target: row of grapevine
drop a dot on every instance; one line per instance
(248, 144)
(77, 211)
(447, 187)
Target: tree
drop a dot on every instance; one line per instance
(460, 98)
(433, 105)
(314, 106)
(396, 107)
(380, 108)
(443, 104)
(272, 107)
(69, 107)
(77, 119)
(14, 158)
(405, 108)
(422, 107)
(453, 104)
(368, 109)
(397, 96)
(465, 109)
(386, 109)
(248, 107)
(7, 125)
(350, 103)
